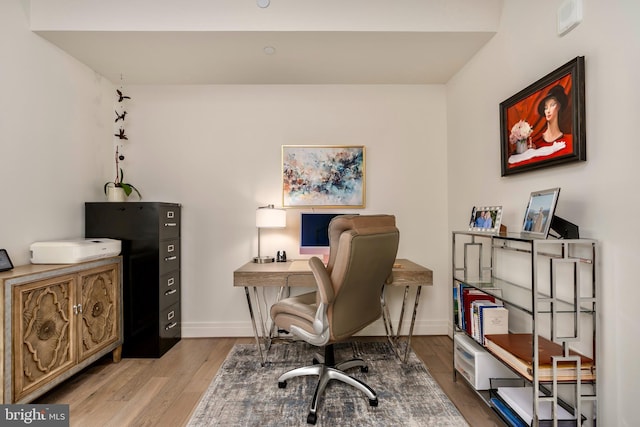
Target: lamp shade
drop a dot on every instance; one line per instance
(270, 217)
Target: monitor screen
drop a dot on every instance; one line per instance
(314, 232)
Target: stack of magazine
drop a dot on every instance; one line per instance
(515, 404)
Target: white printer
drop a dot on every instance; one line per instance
(73, 251)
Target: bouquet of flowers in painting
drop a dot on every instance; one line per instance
(520, 132)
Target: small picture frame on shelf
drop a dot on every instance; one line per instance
(5, 261)
(539, 212)
(485, 218)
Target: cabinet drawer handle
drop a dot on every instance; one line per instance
(171, 315)
(171, 281)
(170, 224)
(170, 214)
(170, 326)
(171, 292)
(171, 258)
(77, 309)
(171, 248)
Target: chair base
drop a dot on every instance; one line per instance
(326, 371)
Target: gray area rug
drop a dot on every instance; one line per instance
(245, 394)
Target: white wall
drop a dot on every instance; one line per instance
(55, 126)
(598, 195)
(217, 150)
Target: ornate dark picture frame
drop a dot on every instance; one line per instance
(544, 124)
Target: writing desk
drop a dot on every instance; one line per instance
(298, 274)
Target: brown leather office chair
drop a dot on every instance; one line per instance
(362, 252)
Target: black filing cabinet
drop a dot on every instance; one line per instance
(150, 235)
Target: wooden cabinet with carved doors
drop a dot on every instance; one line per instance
(58, 319)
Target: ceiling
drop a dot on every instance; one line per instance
(298, 57)
(392, 47)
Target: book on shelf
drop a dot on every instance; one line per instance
(517, 351)
(456, 306)
(496, 318)
(464, 294)
(469, 295)
(493, 320)
(507, 413)
(520, 401)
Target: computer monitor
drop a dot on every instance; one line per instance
(314, 232)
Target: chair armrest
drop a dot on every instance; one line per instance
(325, 294)
(323, 280)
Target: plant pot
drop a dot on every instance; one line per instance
(116, 194)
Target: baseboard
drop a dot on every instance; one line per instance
(244, 329)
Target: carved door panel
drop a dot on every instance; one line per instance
(98, 315)
(43, 333)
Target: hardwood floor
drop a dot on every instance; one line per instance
(164, 392)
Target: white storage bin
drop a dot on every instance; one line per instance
(477, 365)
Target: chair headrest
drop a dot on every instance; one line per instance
(342, 223)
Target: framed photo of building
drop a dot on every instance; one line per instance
(323, 176)
(544, 124)
(485, 218)
(539, 213)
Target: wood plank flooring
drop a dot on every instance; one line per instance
(164, 392)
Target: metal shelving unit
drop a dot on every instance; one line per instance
(549, 287)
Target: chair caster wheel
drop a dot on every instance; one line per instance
(364, 369)
(373, 402)
(312, 418)
(282, 384)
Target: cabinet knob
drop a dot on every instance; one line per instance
(170, 258)
(170, 326)
(170, 224)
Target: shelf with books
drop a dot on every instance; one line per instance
(546, 288)
(515, 351)
(519, 296)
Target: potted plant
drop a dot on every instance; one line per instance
(118, 190)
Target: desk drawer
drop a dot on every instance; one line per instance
(476, 364)
(169, 255)
(170, 323)
(169, 222)
(169, 289)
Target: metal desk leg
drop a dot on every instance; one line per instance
(394, 338)
(261, 337)
(413, 322)
(388, 327)
(263, 327)
(253, 323)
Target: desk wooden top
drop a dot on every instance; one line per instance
(298, 274)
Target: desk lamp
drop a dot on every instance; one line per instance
(268, 217)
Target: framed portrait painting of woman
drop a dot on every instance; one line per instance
(544, 124)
